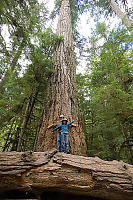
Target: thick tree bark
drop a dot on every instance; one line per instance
(62, 92)
(39, 172)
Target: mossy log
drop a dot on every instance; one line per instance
(37, 172)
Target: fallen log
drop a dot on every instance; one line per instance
(37, 173)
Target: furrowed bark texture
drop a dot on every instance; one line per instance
(62, 92)
(51, 171)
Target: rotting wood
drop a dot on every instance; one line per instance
(51, 170)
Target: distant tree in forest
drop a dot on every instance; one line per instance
(106, 95)
(22, 88)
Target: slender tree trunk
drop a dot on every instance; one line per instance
(12, 66)
(24, 124)
(8, 136)
(28, 111)
(125, 19)
(61, 91)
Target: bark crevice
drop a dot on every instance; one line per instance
(62, 91)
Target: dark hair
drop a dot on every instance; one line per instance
(64, 121)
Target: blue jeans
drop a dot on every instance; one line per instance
(64, 142)
(58, 141)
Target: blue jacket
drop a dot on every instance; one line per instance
(63, 127)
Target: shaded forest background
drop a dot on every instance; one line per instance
(105, 90)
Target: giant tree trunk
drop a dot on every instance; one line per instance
(61, 91)
(42, 172)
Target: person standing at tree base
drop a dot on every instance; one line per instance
(64, 135)
(58, 123)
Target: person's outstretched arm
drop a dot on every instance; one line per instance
(50, 126)
(70, 123)
(57, 128)
(74, 125)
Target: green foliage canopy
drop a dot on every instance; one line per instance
(107, 94)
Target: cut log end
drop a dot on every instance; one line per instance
(50, 172)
